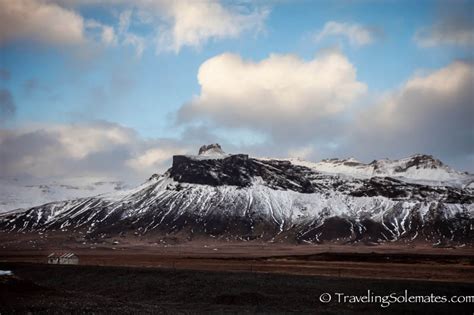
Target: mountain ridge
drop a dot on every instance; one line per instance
(237, 197)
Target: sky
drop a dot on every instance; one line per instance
(113, 89)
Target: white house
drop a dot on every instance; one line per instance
(63, 259)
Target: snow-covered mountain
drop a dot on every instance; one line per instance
(26, 193)
(416, 168)
(236, 197)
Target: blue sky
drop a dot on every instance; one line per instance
(57, 79)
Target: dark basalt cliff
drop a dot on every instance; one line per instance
(240, 170)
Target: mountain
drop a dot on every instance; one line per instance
(419, 168)
(237, 197)
(29, 192)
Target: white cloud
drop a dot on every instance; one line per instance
(421, 95)
(98, 149)
(193, 23)
(108, 35)
(80, 141)
(430, 113)
(153, 158)
(124, 21)
(128, 38)
(48, 22)
(181, 23)
(356, 34)
(136, 41)
(282, 94)
(41, 21)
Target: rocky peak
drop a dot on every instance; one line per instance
(239, 170)
(348, 162)
(423, 161)
(211, 149)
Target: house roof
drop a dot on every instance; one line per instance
(61, 255)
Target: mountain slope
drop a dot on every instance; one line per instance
(235, 197)
(27, 193)
(416, 168)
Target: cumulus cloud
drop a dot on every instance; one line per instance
(98, 149)
(430, 113)
(453, 27)
(41, 21)
(51, 22)
(7, 105)
(283, 95)
(355, 34)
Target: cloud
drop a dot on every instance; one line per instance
(124, 21)
(106, 33)
(138, 42)
(98, 149)
(50, 22)
(7, 105)
(154, 158)
(282, 95)
(355, 34)
(453, 27)
(193, 23)
(430, 113)
(169, 24)
(40, 21)
(305, 152)
(180, 23)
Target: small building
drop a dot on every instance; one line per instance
(63, 259)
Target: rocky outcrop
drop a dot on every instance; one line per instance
(211, 149)
(240, 170)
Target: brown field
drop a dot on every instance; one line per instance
(387, 261)
(212, 263)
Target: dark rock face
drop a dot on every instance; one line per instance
(396, 189)
(418, 161)
(233, 170)
(240, 170)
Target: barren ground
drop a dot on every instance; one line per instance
(229, 276)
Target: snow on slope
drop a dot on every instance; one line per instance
(15, 194)
(422, 169)
(167, 205)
